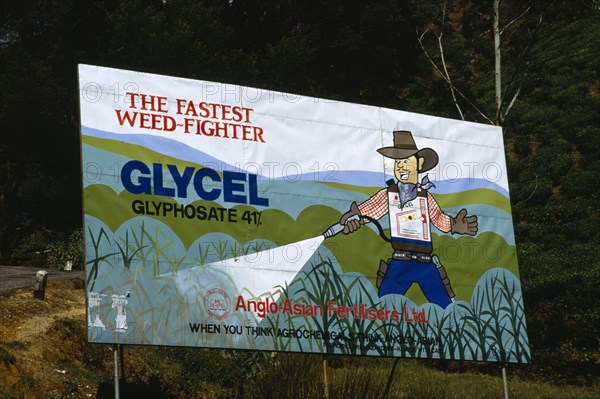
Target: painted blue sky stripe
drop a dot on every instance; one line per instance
(184, 152)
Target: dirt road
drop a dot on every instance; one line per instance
(14, 277)
(41, 339)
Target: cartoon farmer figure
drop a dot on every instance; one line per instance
(411, 209)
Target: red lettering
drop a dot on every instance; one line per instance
(258, 132)
(126, 117)
(247, 111)
(161, 104)
(237, 114)
(225, 109)
(240, 304)
(148, 102)
(132, 97)
(331, 305)
(146, 120)
(191, 109)
(204, 111)
(180, 104)
(246, 131)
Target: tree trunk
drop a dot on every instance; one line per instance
(497, 59)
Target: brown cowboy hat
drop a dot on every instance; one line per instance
(404, 147)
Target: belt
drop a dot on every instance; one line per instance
(407, 255)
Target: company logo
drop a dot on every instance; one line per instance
(217, 303)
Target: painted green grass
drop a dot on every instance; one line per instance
(489, 325)
(463, 256)
(489, 328)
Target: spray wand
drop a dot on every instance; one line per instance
(337, 228)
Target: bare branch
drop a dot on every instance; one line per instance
(447, 74)
(534, 189)
(512, 102)
(448, 80)
(515, 20)
(524, 73)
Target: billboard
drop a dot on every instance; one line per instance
(225, 216)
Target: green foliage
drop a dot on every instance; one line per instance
(31, 249)
(199, 370)
(66, 249)
(292, 375)
(352, 50)
(555, 195)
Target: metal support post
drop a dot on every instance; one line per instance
(116, 361)
(325, 377)
(504, 382)
(389, 382)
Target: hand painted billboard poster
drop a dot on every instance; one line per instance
(231, 217)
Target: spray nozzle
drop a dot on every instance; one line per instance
(338, 227)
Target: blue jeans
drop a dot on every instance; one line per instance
(401, 274)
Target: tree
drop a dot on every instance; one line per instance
(334, 49)
(456, 20)
(38, 121)
(552, 142)
(357, 50)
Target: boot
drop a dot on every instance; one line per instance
(383, 266)
(444, 276)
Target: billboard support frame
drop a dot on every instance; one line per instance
(116, 369)
(325, 377)
(386, 393)
(504, 381)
